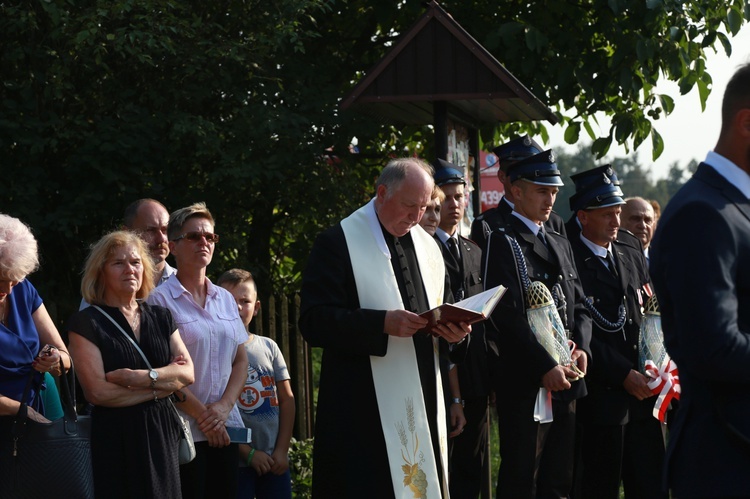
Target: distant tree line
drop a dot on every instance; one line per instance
(636, 179)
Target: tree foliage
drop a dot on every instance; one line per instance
(236, 103)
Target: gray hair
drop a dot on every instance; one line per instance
(395, 172)
(178, 218)
(19, 255)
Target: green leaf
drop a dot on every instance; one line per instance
(642, 131)
(623, 128)
(667, 103)
(734, 20)
(726, 43)
(704, 92)
(572, 132)
(657, 145)
(589, 130)
(600, 146)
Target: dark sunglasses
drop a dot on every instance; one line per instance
(197, 236)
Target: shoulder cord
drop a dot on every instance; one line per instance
(523, 271)
(486, 229)
(604, 324)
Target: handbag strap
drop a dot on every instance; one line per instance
(131, 340)
(136, 347)
(67, 400)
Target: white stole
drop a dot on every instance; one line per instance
(401, 404)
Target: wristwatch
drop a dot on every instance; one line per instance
(154, 376)
(456, 400)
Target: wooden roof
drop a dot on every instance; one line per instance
(437, 60)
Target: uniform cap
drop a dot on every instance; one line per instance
(516, 150)
(596, 188)
(538, 169)
(448, 173)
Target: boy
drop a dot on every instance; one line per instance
(266, 403)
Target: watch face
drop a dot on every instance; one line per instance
(153, 375)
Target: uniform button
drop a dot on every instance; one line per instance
(635, 347)
(570, 275)
(630, 321)
(559, 278)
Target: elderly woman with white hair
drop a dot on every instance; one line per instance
(30, 344)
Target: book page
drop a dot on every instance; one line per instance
(478, 302)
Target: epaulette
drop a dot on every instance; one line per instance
(624, 236)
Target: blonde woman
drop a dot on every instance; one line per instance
(135, 432)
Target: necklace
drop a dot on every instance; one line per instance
(136, 320)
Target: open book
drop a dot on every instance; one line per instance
(473, 309)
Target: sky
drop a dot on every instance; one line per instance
(688, 133)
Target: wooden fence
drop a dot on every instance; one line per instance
(277, 319)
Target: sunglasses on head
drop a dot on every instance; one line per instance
(196, 236)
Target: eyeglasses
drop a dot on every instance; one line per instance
(196, 236)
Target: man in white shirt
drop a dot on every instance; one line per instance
(700, 268)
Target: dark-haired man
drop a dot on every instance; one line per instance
(463, 262)
(507, 154)
(700, 268)
(536, 425)
(620, 438)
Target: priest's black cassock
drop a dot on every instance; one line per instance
(349, 457)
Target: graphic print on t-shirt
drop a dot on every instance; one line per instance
(259, 395)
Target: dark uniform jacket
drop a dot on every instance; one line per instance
(517, 360)
(466, 280)
(614, 353)
(497, 217)
(700, 267)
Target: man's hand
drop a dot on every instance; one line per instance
(556, 379)
(580, 359)
(452, 332)
(458, 420)
(636, 384)
(403, 323)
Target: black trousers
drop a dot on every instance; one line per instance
(468, 451)
(633, 453)
(536, 459)
(213, 472)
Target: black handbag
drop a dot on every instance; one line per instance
(37, 459)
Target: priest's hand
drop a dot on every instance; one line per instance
(403, 323)
(452, 332)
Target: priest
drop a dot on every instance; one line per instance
(381, 425)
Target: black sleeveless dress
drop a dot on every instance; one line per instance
(134, 449)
